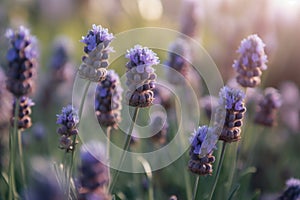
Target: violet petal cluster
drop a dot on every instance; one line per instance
(251, 62)
(93, 172)
(201, 165)
(68, 120)
(232, 100)
(140, 76)
(22, 61)
(24, 119)
(179, 54)
(292, 191)
(267, 109)
(97, 48)
(108, 97)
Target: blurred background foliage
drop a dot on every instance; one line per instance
(221, 25)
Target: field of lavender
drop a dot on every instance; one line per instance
(149, 99)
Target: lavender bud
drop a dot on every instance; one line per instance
(292, 191)
(97, 48)
(93, 172)
(251, 62)
(173, 197)
(199, 164)
(232, 100)
(22, 61)
(108, 99)
(140, 76)
(24, 120)
(179, 54)
(158, 122)
(266, 112)
(69, 116)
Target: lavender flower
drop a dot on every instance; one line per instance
(93, 172)
(292, 191)
(266, 113)
(5, 105)
(209, 103)
(179, 54)
(22, 62)
(140, 76)
(199, 164)
(97, 48)
(251, 62)
(160, 136)
(232, 100)
(24, 120)
(189, 18)
(173, 197)
(59, 60)
(68, 120)
(108, 98)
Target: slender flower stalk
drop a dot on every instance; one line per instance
(68, 131)
(22, 65)
(140, 82)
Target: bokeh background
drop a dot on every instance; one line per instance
(220, 26)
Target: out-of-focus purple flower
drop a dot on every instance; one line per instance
(290, 109)
(268, 105)
(24, 120)
(232, 103)
(198, 163)
(22, 62)
(93, 178)
(140, 76)
(208, 103)
(178, 61)
(68, 119)
(251, 62)
(108, 99)
(159, 126)
(292, 191)
(5, 105)
(97, 48)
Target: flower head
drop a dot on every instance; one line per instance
(231, 98)
(292, 191)
(231, 103)
(139, 55)
(108, 99)
(268, 107)
(96, 36)
(140, 76)
(251, 62)
(97, 48)
(22, 63)
(24, 120)
(94, 172)
(68, 119)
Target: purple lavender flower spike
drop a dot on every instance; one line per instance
(97, 48)
(93, 172)
(140, 76)
(22, 62)
(232, 103)
(68, 119)
(268, 105)
(251, 62)
(199, 163)
(292, 191)
(108, 97)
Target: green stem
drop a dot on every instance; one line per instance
(12, 149)
(218, 171)
(234, 167)
(108, 131)
(19, 133)
(125, 148)
(186, 175)
(196, 188)
(81, 106)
